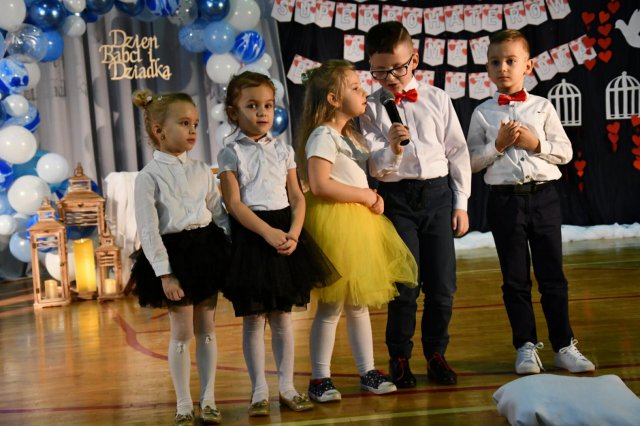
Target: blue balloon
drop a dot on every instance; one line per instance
(163, 7)
(55, 45)
(89, 17)
(218, 37)
(30, 121)
(28, 168)
(280, 121)
(191, 36)
(6, 176)
(205, 57)
(99, 7)
(30, 222)
(213, 10)
(131, 9)
(62, 187)
(249, 46)
(47, 14)
(20, 247)
(27, 44)
(13, 76)
(77, 232)
(146, 15)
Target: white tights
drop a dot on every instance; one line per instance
(185, 321)
(323, 336)
(253, 328)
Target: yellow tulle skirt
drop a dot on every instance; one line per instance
(364, 248)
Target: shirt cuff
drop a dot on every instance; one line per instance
(460, 201)
(391, 158)
(162, 268)
(545, 147)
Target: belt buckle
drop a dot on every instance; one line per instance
(524, 188)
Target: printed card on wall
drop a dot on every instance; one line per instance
(282, 10)
(457, 52)
(530, 82)
(545, 67)
(492, 17)
(558, 9)
(325, 9)
(479, 85)
(581, 49)
(434, 20)
(515, 16)
(346, 16)
(298, 66)
(433, 53)
(368, 16)
(365, 80)
(305, 11)
(416, 45)
(536, 11)
(425, 76)
(454, 84)
(562, 57)
(353, 47)
(391, 13)
(454, 18)
(412, 20)
(479, 47)
(473, 18)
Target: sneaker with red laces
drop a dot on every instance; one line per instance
(376, 382)
(439, 371)
(401, 374)
(323, 390)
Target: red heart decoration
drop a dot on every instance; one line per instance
(603, 16)
(348, 42)
(449, 79)
(568, 54)
(448, 13)
(605, 56)
(522, 12)
(361, 11)
(340, 10)
(604, 29)
(555, 55)
(464, 51)
(588, 17)
(613, 127)
(472, 80)
(575, 47)
(487, 83)
(604, 42)
(313, 9)
(589, 42)
(636, 151)
(353, 15)
(636, 140)
(579, 165)
(463, 84)
(635, 120)
(441, 18)
(613, 6)
(590, 63)
(636, 163)
(613, 137)
(452, 47)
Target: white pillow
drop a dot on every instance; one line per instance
(547, 399)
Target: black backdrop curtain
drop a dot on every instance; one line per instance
(608, 190)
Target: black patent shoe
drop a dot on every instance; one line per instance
(439, 371)
(401, 374)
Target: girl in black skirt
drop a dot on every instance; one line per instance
(274, 263)
(184, 257)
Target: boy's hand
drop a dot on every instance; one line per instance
(397, 134)
(507, 135)
(459, 222)
(171, 288)
(378, 206)
(527, 140)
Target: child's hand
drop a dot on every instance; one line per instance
(378, 206)
(289, 247)
(459, 222)
(397, 134)
(527, 140)
(507, 135)
(171, 288)
(275, 237)
(369, 197)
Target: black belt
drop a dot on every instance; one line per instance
(520, 189)
(415, 183)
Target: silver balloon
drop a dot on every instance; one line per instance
(186, 13)
(27, 43)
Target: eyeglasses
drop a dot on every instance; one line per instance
(397, 72)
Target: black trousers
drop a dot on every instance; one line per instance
(421, 212)
(526, 229)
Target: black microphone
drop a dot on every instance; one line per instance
(388, 101)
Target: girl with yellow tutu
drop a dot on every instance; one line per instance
(344, 217)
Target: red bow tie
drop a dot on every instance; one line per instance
(411, 96)
(520, 96)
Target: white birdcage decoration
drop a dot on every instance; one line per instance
(567, 100)
(623, 97)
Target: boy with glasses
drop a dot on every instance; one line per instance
(425, 185)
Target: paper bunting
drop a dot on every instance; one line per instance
(305, 12)
(473, 18)
(544, 66)
(536, 11)
(455, 84)
(325, 10)
(479, 47)
(353, 47)
(457, 52)
(454, 18)
(434, 20)
(346, 16)
(558, 9)
(433, 53)
(412, 20)
(368, 16)
(426, 76)
(515, 16)
(391, 13)
(282, 10)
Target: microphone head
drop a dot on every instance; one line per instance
(386, 96)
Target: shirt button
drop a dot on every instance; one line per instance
(521, 158)
(527, 177)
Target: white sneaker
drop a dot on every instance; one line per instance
(571, 359)
(527, 360)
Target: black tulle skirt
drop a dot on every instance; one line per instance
(262, 281)
(199, 259)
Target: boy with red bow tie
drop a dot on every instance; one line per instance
(518, 138)
(425, 185)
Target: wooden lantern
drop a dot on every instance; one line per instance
(109, 269)
(81, 206)
(48, 233)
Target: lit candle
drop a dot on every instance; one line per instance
(85, 265)
(51, 289)
(109, 286)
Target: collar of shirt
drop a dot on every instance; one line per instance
(244, 138)
(163, 157)
(497, 94)
(413, 84)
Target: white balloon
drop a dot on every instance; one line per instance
(17, 144)
(8, 224)
(75, 6)
(220, 68)
(265, 61)
(52, 263)
(279, 90)
(33, 71)
(16, 105)
(13, 13)
(26, 194)
(74, 26)
(243, 14)
(218, 112)
(53, 168)
(222, 132)
(255, 68)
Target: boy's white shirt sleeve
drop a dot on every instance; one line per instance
(457, 154)
(482, 152)
(382, 160)
(555, 146)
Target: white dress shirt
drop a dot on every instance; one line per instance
(515, 165)
(173, 194)
(437, 147)
(348, 161)
(261, 167)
